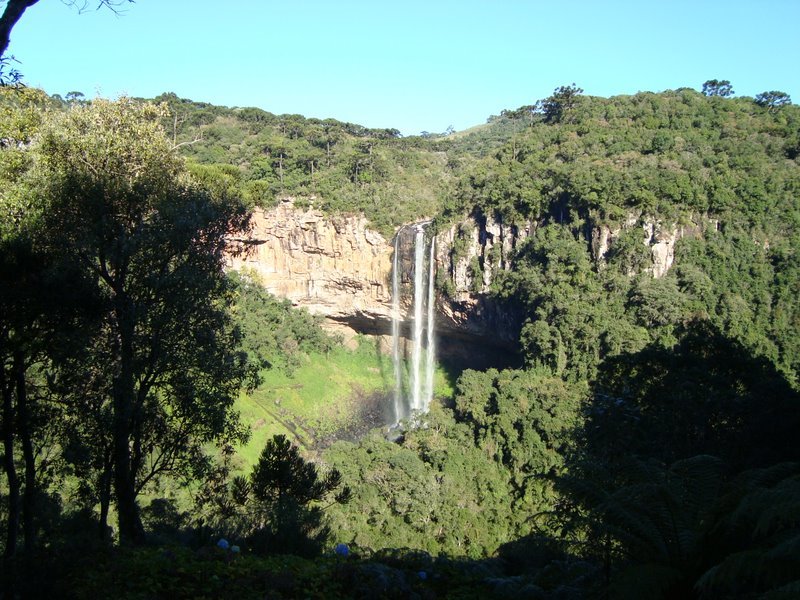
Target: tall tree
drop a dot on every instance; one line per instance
(718, 87)
(559, 105)
(119, 203)
(285, 494)
(773, 100)
(26, 303)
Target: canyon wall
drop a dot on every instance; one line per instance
(333, 266)
(659, 237)
(337, 267)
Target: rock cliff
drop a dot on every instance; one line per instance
(333, 266)
(339, 268)
(659, 237)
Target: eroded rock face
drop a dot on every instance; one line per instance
(470, 253)
(333, 266)
(662, 238)
(339, 268)
(659, 237)
(491, 243)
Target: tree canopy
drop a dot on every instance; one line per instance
(111, 199)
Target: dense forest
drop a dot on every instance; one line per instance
(646, 446)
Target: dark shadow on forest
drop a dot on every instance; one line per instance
(683, 452)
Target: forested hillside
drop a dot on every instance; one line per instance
(725, 167)
(647, 447)
(339, 167)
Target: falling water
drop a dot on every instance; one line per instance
(422, 334)
(429, 362)
(419, 301)
(399, 413)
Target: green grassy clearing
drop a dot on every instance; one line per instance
(328, 394)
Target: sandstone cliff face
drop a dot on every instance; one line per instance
(470, 253)
(339, 268)
(333, 266)
(659, 237)
(491, 243)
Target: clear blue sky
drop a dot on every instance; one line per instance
(413, 65)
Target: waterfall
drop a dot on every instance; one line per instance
(429, 361)
(399, 413)
(420, 386)
(419, 301)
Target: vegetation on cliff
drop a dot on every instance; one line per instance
(338, 167)
(723, 168)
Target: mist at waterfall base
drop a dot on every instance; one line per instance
(414, 390)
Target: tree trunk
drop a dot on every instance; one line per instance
(130, 524)
(8, 463)
(607, 564)
(104, 485)
(25, 435)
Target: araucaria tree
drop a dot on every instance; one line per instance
(560, 104)
(117, 202)
(773, 100)
(717, 87)
(286, 492)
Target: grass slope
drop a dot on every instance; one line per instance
(338, 395)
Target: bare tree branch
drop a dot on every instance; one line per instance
(112, 5)
(188, 143)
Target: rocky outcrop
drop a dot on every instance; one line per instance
(603, 236)
(469, 255)
(475, 249)
(334, 266)
(659, 238)
(339, 268)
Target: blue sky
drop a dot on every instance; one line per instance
(413, 65)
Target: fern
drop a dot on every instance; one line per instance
(762, 533)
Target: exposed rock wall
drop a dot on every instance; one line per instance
(333, 266)
(339, 268)
(659, 237)
(491, 243)
(470, 253)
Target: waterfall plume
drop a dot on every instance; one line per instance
(422, 326)
(419, 301)
(429, 357)
(398, 378)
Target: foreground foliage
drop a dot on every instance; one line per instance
(128, 344)
(210, 572)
